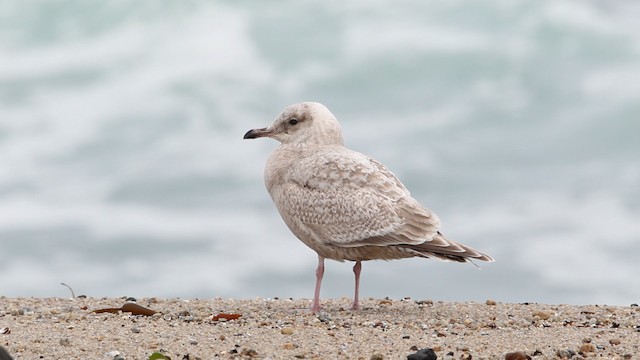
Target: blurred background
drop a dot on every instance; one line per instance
(123, 170)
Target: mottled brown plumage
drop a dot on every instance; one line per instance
(343, 204)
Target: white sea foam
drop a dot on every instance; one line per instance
(125, 127)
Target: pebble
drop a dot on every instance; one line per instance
(288, 346)
(423, 354)
(324, 317)
(65, 342)
(615, 341)
(544, 315)
(249, 352)
(376, 357)
(517, 356)
(424, 302)
(565, 353)
(112, 354)
(135, 330)
(491, 302)
(286, 331)
(4, 354)
(587, 348)
(381, 324)
(193, 341)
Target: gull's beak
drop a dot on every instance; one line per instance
(256, 133)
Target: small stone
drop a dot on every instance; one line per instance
(587, 348)
(424, 302)
(544, 315)
(222, 337)
(193, 341)
(381, 324)
(490, 302)
(249, 352)
(288, 346)
(65, 342)
(286, 331)
(423, 354)
(385, 302)
(376, 357)
(135, 330)
(615, 341)
(565, 353)
(517, 356)
(112, 354)
(4, 354)
(324, 317)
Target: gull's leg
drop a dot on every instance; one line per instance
(319, 273)
(356, 270)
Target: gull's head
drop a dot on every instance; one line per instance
(302, 123)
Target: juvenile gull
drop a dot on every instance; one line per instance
(343, 204)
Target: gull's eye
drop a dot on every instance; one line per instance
(293, 121)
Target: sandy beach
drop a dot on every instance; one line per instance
(55, 328)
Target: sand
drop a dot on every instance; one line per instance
(53, 328)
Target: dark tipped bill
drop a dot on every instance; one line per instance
(256, 133)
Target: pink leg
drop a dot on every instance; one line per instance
(319, 273)
(356, 298)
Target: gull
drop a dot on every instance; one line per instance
(345, 205)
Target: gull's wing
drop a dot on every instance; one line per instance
(347, 199)
(342, 198)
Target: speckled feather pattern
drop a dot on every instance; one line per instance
(343, 204)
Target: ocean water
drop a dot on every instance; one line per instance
(123, 170)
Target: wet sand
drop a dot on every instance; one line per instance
(53, 328)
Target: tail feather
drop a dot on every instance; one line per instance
(447, 250)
